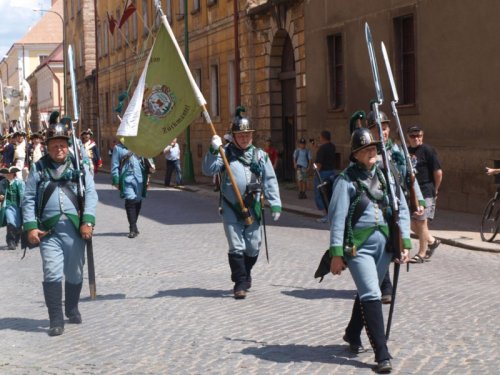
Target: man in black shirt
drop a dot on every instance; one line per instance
(429, 176)
(325, 163)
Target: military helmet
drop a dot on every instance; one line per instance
(371, 118)
(241, 125)
(58, 130)
(356, 116)
(362, 138)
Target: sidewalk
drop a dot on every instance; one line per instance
(452, 228)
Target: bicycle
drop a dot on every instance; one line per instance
(489, 221)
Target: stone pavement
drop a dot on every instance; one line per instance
(164, 303)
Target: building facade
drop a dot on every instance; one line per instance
(22, 59)
(445, 74)
(47, 87)
(79, 33)
(241, 53)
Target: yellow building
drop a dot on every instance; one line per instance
(262, 68)
(24, 57)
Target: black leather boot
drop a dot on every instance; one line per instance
(354, 328)
(249, 263)
(374, 323)
(53, 299)
(10, 237)
(238, 275)
(386, 289)
(138, 207)
(130, 208)
(71, 298)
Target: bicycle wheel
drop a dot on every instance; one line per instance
(489, 222)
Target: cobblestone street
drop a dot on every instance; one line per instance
(164, 303)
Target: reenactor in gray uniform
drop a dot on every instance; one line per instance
(255, 178)
(129, 173)
(359, 214)
(52, 219)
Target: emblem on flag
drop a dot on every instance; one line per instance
(159, 102)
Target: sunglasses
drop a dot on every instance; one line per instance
(416, 135)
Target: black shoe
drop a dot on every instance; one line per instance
(11, 246)
(56, 331)
(132, 234)
(432, 247)
(383, 367)
(354, 348)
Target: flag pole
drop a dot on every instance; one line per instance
(202, 103)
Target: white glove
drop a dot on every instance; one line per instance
(276, 215)
(216, 142)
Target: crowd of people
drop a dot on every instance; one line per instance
(45, 202)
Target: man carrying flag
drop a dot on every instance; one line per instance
(255, 178)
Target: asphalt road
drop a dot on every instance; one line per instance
(164, 303)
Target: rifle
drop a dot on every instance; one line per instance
(395, 239)
(81, 187)
(410, 175)
(324, 187)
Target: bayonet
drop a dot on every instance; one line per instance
(409, 165)
(81, 187)
(394, 223)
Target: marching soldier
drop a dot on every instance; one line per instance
(11, 195)
(52, 219)
(91, 149)
(129, 173)
(359, 233)
(254, 175)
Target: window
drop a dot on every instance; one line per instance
(80, 53)
(196, 6)
(231, 74)
(405, 75)
(145, 17)
(134, 26)
(105, 40)
(42, 58)
(168, 10)
(181, 9)
(197, 77)
(336, 71)
(98, 41)
(214, 90)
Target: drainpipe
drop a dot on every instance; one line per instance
(236, 54)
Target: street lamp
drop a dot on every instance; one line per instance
(64, 53)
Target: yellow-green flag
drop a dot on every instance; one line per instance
(165, 101)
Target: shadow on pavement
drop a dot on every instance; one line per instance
(105, 297)
(193, 292)
(23, 324)
(110, 234)
(334, 354)
(320, 293)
